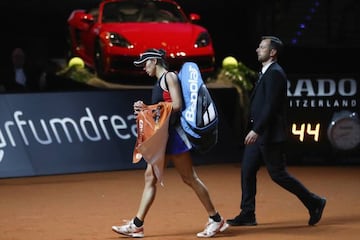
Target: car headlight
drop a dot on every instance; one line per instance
(117, 40)
(203, 40)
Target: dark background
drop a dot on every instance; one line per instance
(327, 44)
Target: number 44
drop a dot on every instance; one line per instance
(306, 128)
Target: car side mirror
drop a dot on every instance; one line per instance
(88, 18)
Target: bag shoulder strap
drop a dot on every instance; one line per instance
(166, 83)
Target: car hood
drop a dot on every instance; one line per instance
(170, 37)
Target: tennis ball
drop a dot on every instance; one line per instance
(76, 61)
(230, 62)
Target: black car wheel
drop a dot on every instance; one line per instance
(99, 60)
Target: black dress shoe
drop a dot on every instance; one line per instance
(316, 213)
(243, 219)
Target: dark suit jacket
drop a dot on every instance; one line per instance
(268, 106)
(32, 80)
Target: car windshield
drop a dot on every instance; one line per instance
(148, 11)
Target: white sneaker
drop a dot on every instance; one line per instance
(213, 228)
(129, 229)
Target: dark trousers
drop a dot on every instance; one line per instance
(272, 155)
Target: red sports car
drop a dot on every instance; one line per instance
(111, 36)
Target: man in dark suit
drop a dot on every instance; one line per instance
(22, 76)
(267, 136)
